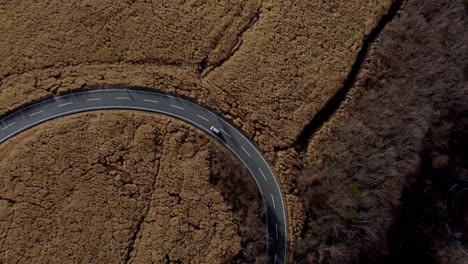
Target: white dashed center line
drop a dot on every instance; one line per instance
(60, 105)
(8, 126)
(453, 187)
(273, 200)
(93, 99)
(38, 112)
(137, 102)
(448, 228)
(203, 118)
(176, 106)
(246, 151)
(460, 247)
(264, 177)
(225, 133)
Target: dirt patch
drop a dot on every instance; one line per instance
(113, 187)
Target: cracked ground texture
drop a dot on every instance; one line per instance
(134, 187)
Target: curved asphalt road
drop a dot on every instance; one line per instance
(198, 116)
(453, 195)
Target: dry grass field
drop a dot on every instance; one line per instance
(107, 187)
(359, 106)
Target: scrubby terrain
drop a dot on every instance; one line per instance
(240, 192)
(367, 178)
(357, 105)
(242, 59)
(420, 233)
(115, 187)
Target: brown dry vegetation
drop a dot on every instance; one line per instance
(133, 187)
(419, 234)
(269, 67)
(240, 192)
(242, 59)
(361, 160)
(252, 54)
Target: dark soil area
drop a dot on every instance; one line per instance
(421, 232)
(461, 217)
(375, 176)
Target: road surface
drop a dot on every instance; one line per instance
(454, 216)
(194, 114)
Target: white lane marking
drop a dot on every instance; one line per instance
(171, 114)
(459, 246)
(148, 109)
(276, 256)
(453, 186)
(107, 107)
(274, 178)
(122, 98)
(246, 151)
(264, 177)
(151, 101)
(8, 126)
(176, 106)
(448, 228)
(226, 133)
(38, 112)
(203, 118)
(276, 225)
(93, 99)
(60, 105)
(273, 200)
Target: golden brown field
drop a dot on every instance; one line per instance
(357, 105)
